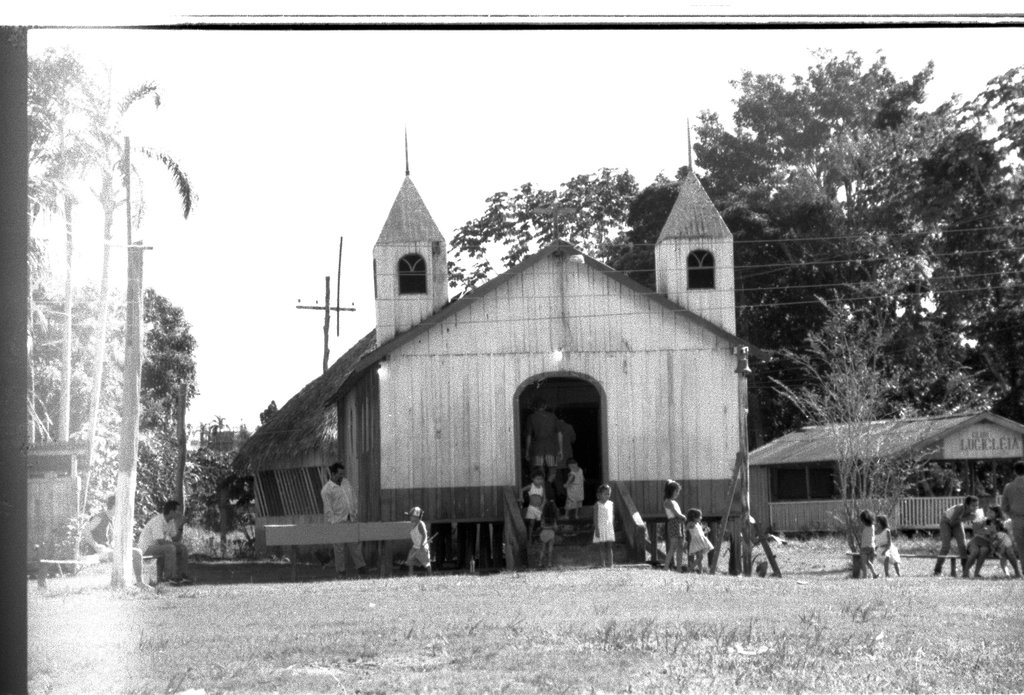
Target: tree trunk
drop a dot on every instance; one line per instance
(64, 414)
(179, 469)
(101, 332)
(128, 464)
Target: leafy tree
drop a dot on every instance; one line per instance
(587, 211)
(849, 386)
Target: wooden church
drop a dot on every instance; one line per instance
(430, 408)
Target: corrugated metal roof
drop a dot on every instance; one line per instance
(818, 444)
(409, 219)
(693, 214)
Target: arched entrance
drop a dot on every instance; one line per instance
(578, 402)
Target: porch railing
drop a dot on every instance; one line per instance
(920, 513)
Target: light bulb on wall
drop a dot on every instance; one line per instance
(557, 355)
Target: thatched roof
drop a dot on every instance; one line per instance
(304, 423)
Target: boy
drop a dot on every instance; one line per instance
(536, 493)
(420, 551)
(574, 490)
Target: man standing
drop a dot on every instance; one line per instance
(340, 507)
(158, 539)
(98, 532)
(951, 527)
(1013, 505)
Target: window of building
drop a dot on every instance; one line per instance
(700, 270)
(412, 274)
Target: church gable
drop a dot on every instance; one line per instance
(565, 302)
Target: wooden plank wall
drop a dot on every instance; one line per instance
(51, 504)
(707, 495)
(443, 504)
(669, 385)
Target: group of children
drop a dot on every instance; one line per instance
(686, 534)
(876, 544)
(990, 538)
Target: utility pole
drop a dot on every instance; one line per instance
(327, 308)
(743, 460)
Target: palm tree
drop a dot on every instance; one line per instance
(59, 152)
(114, 169)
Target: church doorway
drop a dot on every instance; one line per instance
(578, 403)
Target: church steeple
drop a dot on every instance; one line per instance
(693, 257)
(410, 267)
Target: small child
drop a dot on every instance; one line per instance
(574, 490)
(674, 533)
(884, 547)
(419, 554)
(536, 492)
(1002, 547)
(699, 544)
(548, 528)
(867, 544)
(604, 525)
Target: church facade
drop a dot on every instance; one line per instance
(432, 410)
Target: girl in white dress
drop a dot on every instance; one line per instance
(885, 549)
(604, 525)
(699, 543)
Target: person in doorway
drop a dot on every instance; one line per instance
(543, 440)
(675, 532)
(157, 539)
(1013, 507)
(339, 508)
(568, 435)
(574, 490)
(419, 554)
(951, 527)
(604, 526)
(98, 534)
(535, 491)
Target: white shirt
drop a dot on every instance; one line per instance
(156, 528)
(339, 502)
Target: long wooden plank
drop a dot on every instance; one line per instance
(327, 534)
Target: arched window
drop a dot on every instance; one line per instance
(700, 270)
(412, 274)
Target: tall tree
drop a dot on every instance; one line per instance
(60, 149)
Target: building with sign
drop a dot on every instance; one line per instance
(792, 484)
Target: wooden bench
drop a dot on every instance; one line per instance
(380, 532)
(929, 556)
(144, 565)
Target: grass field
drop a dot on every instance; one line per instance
(631, 628)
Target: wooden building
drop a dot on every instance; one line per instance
(792, 482)
(431, 407)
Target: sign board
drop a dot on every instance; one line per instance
(983, 441)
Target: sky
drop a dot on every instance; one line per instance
(293, 139)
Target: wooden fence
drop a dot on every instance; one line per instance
(920, 513)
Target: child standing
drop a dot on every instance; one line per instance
(548, 529)
(674, 533)
(574, 490)
(604, 525)
(867, 544)
(536, 492)
(699, 543)
(419, 554)
(884, 547)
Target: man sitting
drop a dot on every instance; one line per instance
(98, 533)
(158, 539)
